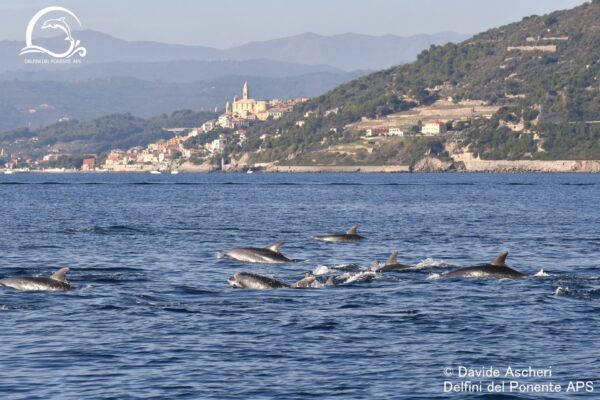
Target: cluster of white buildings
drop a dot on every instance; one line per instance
(432, 128)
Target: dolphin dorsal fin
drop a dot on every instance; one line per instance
(392, 260)
(61, 274)
(353, 230)
(275, 246)
(500, 261)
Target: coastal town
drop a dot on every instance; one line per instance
(181, 151)
(198, 149)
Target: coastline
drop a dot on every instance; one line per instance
(429, 166)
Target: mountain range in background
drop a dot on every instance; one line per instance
(347, 52)
(119, 76)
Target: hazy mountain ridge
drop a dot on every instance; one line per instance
(119, 76)
(348, 51)
(172, 71)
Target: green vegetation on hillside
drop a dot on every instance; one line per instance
(101, 134)
(551, 92)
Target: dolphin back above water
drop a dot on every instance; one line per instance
(267, 255)
(55, 283)
(392, 264)
(496, 269)
(248, 280)
(350, 236)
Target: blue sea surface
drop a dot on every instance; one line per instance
(152, 315)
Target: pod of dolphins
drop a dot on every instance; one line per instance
(272, 255)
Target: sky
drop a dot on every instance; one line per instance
(224, 24)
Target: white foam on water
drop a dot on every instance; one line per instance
(429, 263)
(561, 290)
(359, 276)
(434, 277)
(541, 273)
(320, 270)
(316, 284)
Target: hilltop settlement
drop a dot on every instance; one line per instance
(522, 97)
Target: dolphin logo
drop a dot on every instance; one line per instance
(55, 23)
(59, 23)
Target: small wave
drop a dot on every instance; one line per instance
(541, 273)
(561, 291)
(362, 276)
(105, 230)
(430, 263)
(316, 284)
(41, 246)
(434, 277)
(321, 270)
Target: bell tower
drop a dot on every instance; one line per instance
(246, 92)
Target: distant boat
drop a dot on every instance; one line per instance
(8, 172)
(155, 172)
(250, 171)
(174, 172)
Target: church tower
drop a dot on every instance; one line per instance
(227, 108)
(246, 92)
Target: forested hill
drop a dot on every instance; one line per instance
(543, 71)
(114, 131)
(511, 60)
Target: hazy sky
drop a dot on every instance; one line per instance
(228, 23)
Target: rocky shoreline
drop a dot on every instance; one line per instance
(425, 165)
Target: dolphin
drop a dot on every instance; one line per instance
(495, 269)
(350, 236)
(248, 280)
(267, 255)
(58, 23)
(305, 282)
(55, 283)
(392, 265)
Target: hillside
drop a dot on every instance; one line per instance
(115, 131)
(540, 73)
(118, 76)
(39, 103)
